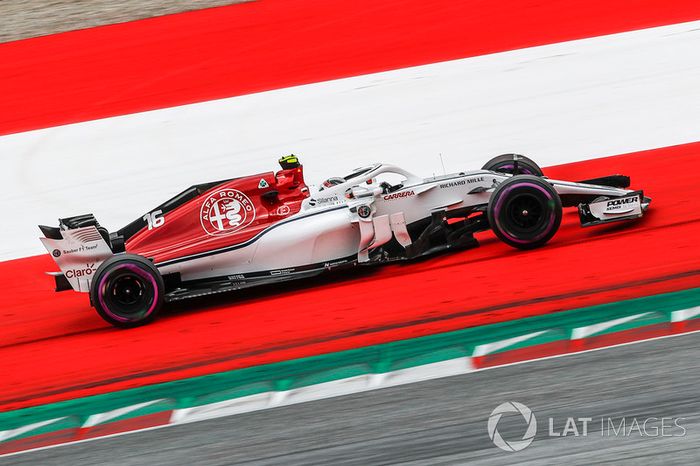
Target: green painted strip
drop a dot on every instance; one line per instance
(372, 359)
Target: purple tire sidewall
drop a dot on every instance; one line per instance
(136, 270)
(499, 203)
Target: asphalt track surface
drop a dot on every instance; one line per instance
(444, 421)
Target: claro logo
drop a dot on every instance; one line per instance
(389, 197)
(79, 273)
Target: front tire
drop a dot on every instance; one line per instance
(127, 290)
(524, 211)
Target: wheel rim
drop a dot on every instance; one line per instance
(127, 290)
(128, 293)
(526, 213)
(532, 226)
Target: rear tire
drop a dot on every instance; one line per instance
(505, 164)
(127, 290)
(524, 211)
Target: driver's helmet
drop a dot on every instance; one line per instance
(289, 161)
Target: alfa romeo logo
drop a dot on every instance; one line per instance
(512, 407)
(225, 212)
(364, 211)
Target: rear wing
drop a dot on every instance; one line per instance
(78, 252)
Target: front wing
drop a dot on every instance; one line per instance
(606, 210)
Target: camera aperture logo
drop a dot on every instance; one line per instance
(528, 436)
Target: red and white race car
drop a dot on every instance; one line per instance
(242, 232)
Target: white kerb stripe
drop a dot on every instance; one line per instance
(488, 348)
(9, 434)
(583, 332)
(100, 418)
(685, 314)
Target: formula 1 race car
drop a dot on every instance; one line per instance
(271, 227)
